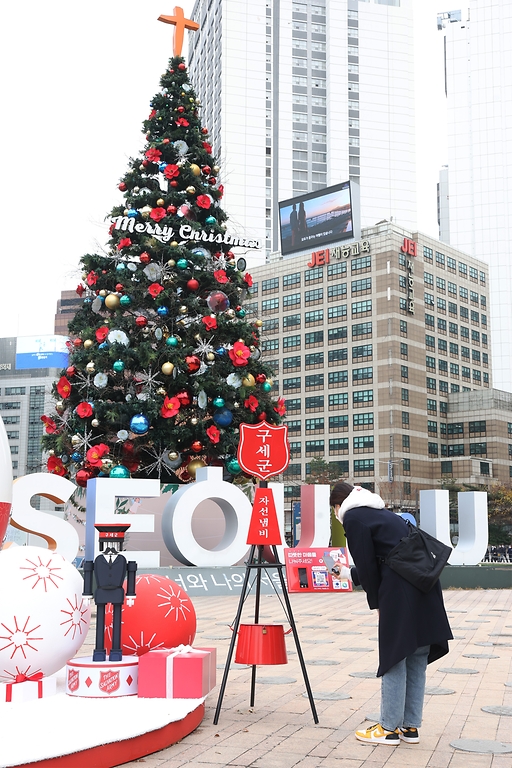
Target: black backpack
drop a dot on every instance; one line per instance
(419, 558)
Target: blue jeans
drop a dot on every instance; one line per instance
(403, 690)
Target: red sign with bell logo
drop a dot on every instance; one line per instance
(263, 449)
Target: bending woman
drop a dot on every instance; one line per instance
(413, 626)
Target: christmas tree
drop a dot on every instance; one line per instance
(164, 365)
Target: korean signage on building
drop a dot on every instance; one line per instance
(410, 248)
(319, 258)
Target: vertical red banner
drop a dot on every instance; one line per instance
(264, 528)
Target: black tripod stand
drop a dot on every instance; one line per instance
(256, 563)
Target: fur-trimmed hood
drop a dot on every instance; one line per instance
(360, 497)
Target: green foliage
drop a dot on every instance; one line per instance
(147, 302)
(323, 472)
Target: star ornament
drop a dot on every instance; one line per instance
(173, 603)
(19, 636)
(42, 573)
(75, 617)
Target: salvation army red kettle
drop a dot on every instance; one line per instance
(261, 644)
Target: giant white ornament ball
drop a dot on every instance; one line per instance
(43, 617)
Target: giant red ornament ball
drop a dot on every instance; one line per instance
(193, 284)
(119, 287)
(206, 170)
(162, 616)
(82, 476)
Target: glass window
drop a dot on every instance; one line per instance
(428, 279)
(338, 444)
(269, 305)
(314, 337)
(338, 269)
(337, 313)
(293, 404)
(363, 443)
(269, 344)
(337, 290)
(361, 285)
(314, 424)
(314, 295)
(360, 374)
(337, 355)
(314, 402)
(361, 307)
(365, 350)
(315, 358)
(362, 419)
(291, 341)
(290, 320)
(336, 400)
(337, 334)
(316, 316)
(291, 280)
(361, 329)
(364, 466)
(428, 253)
(314, 380)
(338, 422)
(338, 377)
(291, 362)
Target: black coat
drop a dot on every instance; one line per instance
(408, 618)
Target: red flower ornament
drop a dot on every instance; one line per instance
(220, 276)
(152, 114)
(213, 433)
(280, 408)
(157, 214)
(49, 425)
(102, 333)
(209, 322)
(207, 147)
(171, 171)
(84, 410)
(63, 387)
(240, 354)
(96, 454)
(203, 201)
(55, 466)
(248, 279)
(251, 403)
(153, 155)
(80, 289)
(92, 278)
(155, 289)
(125, 242)
(182, 122)
(170, 407)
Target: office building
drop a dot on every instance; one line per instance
(381, 348)
(300, 95)
(476, 194)
(67, 307)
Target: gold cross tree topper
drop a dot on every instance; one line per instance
(180, 25)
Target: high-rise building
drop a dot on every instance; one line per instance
(476, 190)
(381, 349)
(303, 94)
(67, 307)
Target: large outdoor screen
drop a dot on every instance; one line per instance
(41, 352)
(316, 219)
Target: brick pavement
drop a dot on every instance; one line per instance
(280, 733)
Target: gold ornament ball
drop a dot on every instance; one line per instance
(84, 275)
(95, 423)
(136, 189)
(197, 337)
(141, 167)
(230, 313)
(167, 368)
(210, 356)
(216, 169)
(75, 440)
(112, 301)
(88, 343)
(174, 244)
(183, 310)
(161, 391)
(181, 323)
(160, 201)
(191, 99)
(191, 190)
(193, 466)
(51, 452)
(60, 407)
(195, 169)
(171, 262)
(258, 323)
(125, 212)
(103, 292)
(193, 421)
(90, 367)
(249, 381)
(173, 455)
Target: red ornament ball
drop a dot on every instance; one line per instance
(230, 255)
(181, 66)
(185, 397)
(193, 363)
(119, 287)
(193, 284)
(206, 170)
(180, 110)
(165, 141)
(197, 446)
(260, 378)
(122, 186)
(162, 616)
(212, 180)
(71, 370)
(171, 209)
(141, 321)
(145, 258)
(82, 476)
(145, 163)
(78, 342)
(171, 71)
(204, 131)
(174, 183)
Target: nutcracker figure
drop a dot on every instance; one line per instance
(109, 570)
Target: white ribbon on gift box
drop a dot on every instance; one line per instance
(179, 650)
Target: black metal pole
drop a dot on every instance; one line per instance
(295, 634)
(256, 619)
(234, 638)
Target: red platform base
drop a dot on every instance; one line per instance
(119, 752)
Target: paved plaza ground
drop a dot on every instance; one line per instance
(339, 629)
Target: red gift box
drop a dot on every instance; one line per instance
(177, 673)
(27, 688)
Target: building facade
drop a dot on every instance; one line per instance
(67, 307)
(477, 197)
(300, 95)
(370, 342)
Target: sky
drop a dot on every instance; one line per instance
(76, 85)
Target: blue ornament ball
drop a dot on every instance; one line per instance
(88, 300)
(139, 424)
(162, 311)
(77, 457)
(219, 402)
(119, 471)
(133, 213)
(125, 300)
(103, 345)
(210, 220)
(120, 267)
(266, 386)
(162, 166)
(220, 351)
(223, 417)
(171, 341)
(182, 263)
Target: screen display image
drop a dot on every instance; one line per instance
(41, 352)
(316, 219)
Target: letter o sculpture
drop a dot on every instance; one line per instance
(177, 521)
